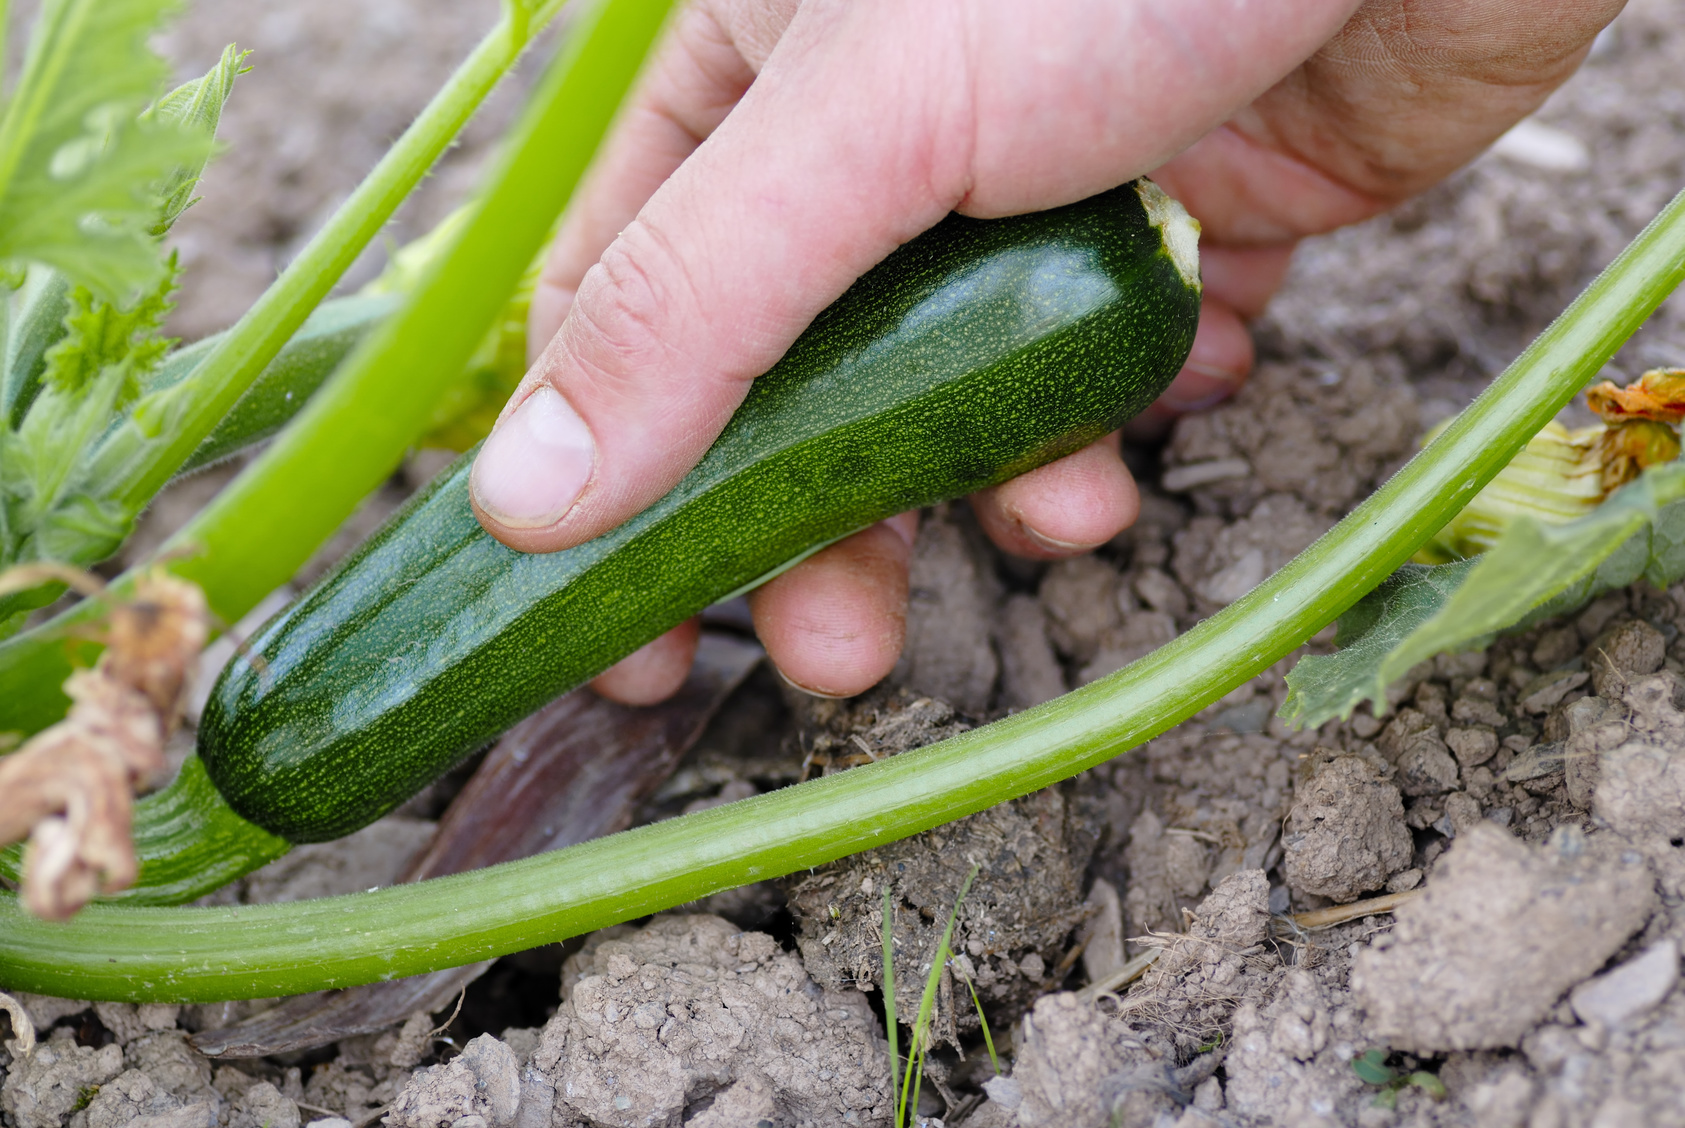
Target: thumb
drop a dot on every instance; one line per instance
(771, 219)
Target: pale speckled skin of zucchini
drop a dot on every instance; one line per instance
(979, 350)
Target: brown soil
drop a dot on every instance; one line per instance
(1532, 796)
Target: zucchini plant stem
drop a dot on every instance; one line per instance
(207, 954)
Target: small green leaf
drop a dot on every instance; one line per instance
(99, 335)
(195, 106)
(82, 528)
(79, 172)
(1372, 1069)
(1427, 1083)
(1369, 635)
(1533, 572)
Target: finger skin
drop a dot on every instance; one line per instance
(655, 671)
(833, 625)
(1407, 92)
(1244, 278)
(1064, 508)
(700, 71)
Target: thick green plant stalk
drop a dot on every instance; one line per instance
(354, 432)
(252, 951)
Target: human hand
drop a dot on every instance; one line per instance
(775, 152)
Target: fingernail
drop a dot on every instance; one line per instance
(904, 525)
(534, 467)
(1049, 544)
(807, 689)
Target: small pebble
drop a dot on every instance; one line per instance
(1616, 997)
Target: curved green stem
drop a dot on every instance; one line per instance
(191, 955)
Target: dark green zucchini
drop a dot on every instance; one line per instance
(977, 351)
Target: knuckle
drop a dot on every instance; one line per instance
(632, 306)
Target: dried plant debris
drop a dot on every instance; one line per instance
(1657, 396)
(70, 788)
(1185, 999)
(838, 734)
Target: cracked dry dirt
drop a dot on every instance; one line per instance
(1532, 796)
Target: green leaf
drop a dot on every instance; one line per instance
(196, 107)
(99, 336)
(1533, 572)
(1371, 1067)
(79, 172)
(95, 370)
(1428, 1083)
